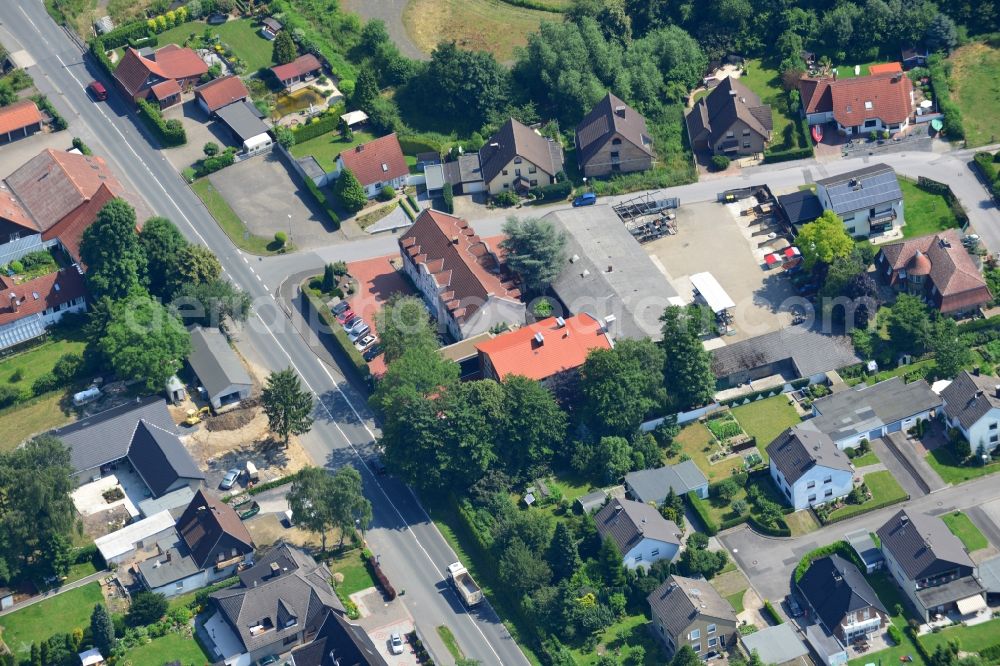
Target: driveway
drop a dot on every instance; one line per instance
(199, 129)
(266, 196)
(889, 451)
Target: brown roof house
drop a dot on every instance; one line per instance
(221, 92)
(690, 612)
(29, 308)
(19, 119)
(338, 643)
(642, 535)
(211, 543)
(731, 120)
(861, 104)
(376, 164)
(459, 276)
(304, 68)
(518, 158)
(937, 268)
(171, 70)
(613, 138)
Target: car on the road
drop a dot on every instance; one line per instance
(585, 199)
(346, 316)
(338, 308)
(356, 334)
(794, 609)
(97, 91)
(365, 342)
(230, 479)
(396, 643)
(373, 353)
(378, 465)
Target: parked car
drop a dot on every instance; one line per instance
(373, 353)
(365, 342)
(396, 643)
(794, 609)
(362, 331)
(378, 465)
(352, 324)
(97, 91)
(230, 479)
(585, 199)
(345, 316)
(340, 307)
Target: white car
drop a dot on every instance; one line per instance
(396, 643)
(365, 342)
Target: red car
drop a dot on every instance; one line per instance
(346, 316)
(98, 91)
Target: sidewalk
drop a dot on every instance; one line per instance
(94, 577)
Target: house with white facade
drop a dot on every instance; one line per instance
(840, 599)
(808, 468)
(861, 104)
(871, 412)
(642, 535)
(868, 200)
(376, 164)
(972, 405)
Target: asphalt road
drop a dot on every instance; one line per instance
(413, 552)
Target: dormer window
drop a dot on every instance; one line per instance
(868, 106)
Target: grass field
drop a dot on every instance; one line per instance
(846, 71)
(766, 82)
(925, 213)
(356, 576)
(972, 639)
(962, 527)
(169, 648)
(766, 419)
(866, 459)
(36, 623)
(241, 36)
(20, 371)
(696, 442)
(620, 639)
(976, 90)
(476, 25)
(801, 522)
(948, 468)
(326, 147)
(231, 222)
(22, 421)
(883, 487)
(736, 601)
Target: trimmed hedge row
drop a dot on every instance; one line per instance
(841, 548)
(121, 35)
(322, 201)
(58, 122)
(866, 509)
(169, 132)
(98, 50)
(260, 487)
(788, 155)
(553, 192)
(941, 85)
(772, 612)
(216, 163)
(311, 130)
(698, 506)
(768, 530)
(991, 653)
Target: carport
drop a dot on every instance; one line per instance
(246, 127)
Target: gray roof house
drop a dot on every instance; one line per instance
(243, 120)
(792, 352)
(613, 138)
(972, 404)
(516, 155)
(642, 535)
(868, 200)
(690, 612)
(871, 412)
(808, 468)
(338, 643)
(218, 367)
(141, 434)
(652, 485)
(608, 275)
(931, 565)
(778, 645)
(280, 600)
(840, 598)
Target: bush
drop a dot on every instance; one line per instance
(217, 163)
(210, 149)
(772, 612)
(841, 548)
(45, 383)
(327, 123)
(984, 161)
(698, 506)
(58, 122)
(81, 146)
(387, 193)
(169, 132)
(8, 396)
(68, 367)
(147, 608)
(896, 634)
(280, 237)
(720, 162)
(553, 192)
(506, 199)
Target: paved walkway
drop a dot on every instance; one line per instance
(94, 577)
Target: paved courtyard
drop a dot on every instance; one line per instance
(20, 151)
(268, 199)
(714, 237)
(199, 129)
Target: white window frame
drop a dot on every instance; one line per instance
(694, 635)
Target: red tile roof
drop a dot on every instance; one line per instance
(220, 92)
(376, 161)
(69, 230)
(166, 89)
(11, 210)
(133, 71)
(52, 290)
(889, 95)
(136, 73)
(464, 268)
(562, 348)
(179, 63)
(19, 115)
(298, 67)
(952, 271)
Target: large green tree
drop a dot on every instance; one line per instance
(952, 352)
(144, 340)
(116, 260)
(909, 325)
(311, 499)
(824, 240)
(535, 250)
(521, 569)
(209, 303)
(350, 507)
(467, 87)
(284, 50)
(102, 629)
(687, 370)
(532, 428)
(348, 191)
(621, 386)
(366, 90)
(163, 243)
(147, 607)
(288, 406)
(403, 323)
(195, 264)
(563, 556)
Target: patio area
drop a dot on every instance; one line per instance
(89, 498)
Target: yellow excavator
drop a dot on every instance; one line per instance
(195, 416)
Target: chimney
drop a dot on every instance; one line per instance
(560, 322)
(609, 321)
(996, 391)
(904, 519)
(168, 557)
(275, 569)
(13, 301)
(975, 371)
(454, 240)
(539, 338)
(620, 111)
(618, 508)
(610, 268)
(359, 148)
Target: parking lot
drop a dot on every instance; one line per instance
(716, 238)
(268, 199)
(199, 129)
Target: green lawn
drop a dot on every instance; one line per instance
(942, 459)
(326, 147)
(846, 71)
(766, 419)
(971, 639)
(448, 638)
(231, 222)
(866, 459)
(356, 576)
(736, 601)
(78, 571)
(962, 527)
(801, 522)
(884, 488)
(35, 416)
(241, 36)
(766, 82)
(698, 444)
(569, 485)
(172, 647)
(61, 613)
(887, 591)
(974, 89)
(20, 371)
(721, 510)
(925, 213)
(620, 639)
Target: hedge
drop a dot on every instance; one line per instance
(991, 653)
(941, 85)
(750, 397)
(216, 163)
(260, 487)
(121, 35)
(420, 143)
(413, 203)
(841, 548)
(58, 122)
(788, 155)
(895, 633)
(311, 130)
(322, 201)
(698, 506)
(201, 598)
(553, 192)
(169, 132)
(338, 331)
(867, 508)
(376, 570)
(772, 612)
(768, 530)
(98, 50)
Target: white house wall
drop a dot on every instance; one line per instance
(649, 551)
(800, 495)
(985, 431)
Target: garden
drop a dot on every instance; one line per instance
(878, 490)
(326, 147)
(955, 463)
(238, 40)
(974, 70)
(697, 443)
(926, 212)
(788, 134)
(767, 418)
(35, 623)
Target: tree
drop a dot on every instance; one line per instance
(7, 94)
(210, 149)
(162, 243)
(116, 262)
(287, 405)
(727, 490)
(366, 90)
(621, 386)
(707, 563)
(349, 192)
(520, 569)
(196, 264)
(686, 656)
(403, 323)
(285, 136)
(144, 340)
(687, 368)
(329, 279)
(942, 34)
(613, 459)
(535, 250)
(311, 499)
(209, 303)
(824, 240)
(951, 351)
(610, 561)
(720, 162)
(532, 427)
(563, 556)
(284, 50)
(102, 629)
(147, 607)
(908, 325)
(349, 506)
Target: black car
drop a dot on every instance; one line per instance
(794, 609)
(373, 353)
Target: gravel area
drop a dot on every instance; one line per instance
(391, 12)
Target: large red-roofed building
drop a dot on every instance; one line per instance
(859, 105)
(376, 164)
(162, 78)
(459, 275)
(221, 92)
(28, 308)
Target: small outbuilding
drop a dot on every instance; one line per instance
(244, 123)
(19, 119)
(301, 69)
(778, 645)
(91, 657)
(218, 367)
(353, 118)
